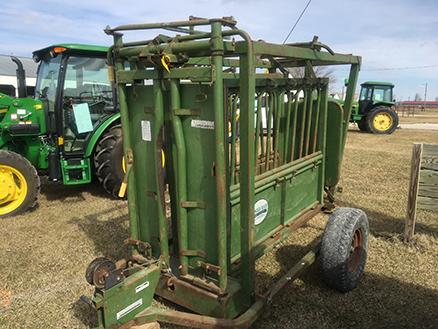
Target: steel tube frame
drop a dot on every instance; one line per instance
(220, 170)
(180, 175)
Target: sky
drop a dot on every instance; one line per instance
(398, 40)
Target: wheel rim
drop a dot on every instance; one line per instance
(13, 189)
(382, 121)
(355, 251)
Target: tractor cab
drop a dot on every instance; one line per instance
(73, 82)
(69, 129)
(372, 93)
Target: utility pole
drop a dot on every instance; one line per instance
(425, 95)
(425, 92)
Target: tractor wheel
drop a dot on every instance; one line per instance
(363, 125)
(344, 248)
(19, 184)
(108, 160)
(382, 120)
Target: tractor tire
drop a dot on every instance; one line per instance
(363, 125)
(382, 120)
(344, 248)
(19, 184)
(108, 160)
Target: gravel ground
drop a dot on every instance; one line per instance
(44, 253)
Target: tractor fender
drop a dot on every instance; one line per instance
(94, 138)
(383, 104)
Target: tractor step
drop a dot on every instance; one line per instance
(76, 171)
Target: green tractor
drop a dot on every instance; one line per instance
(70, 131)
(374, 112)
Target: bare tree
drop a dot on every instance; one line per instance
(320, 72)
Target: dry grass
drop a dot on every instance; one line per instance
(44, 253)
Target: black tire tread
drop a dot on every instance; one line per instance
(335, 248)
(104, 158)
(363, 125)
(32, 179)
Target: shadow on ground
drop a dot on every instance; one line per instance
(107, 234)
(58, 191)
(384, 225)
(378, 302)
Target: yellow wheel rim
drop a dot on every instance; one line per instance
(382, 121)
(13, 189)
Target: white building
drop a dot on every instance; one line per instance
(8, 78)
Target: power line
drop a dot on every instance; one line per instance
(401, 68)
(293, 27)
(394, 68)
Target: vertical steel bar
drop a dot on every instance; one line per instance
(317, 114)
(309, 121)
(257, 132)
(277, 115)
(294, 125)
(180, 174)
(158, 125)
(220, 171)
(124, 119)
(233, 108)
(303, 122)
(262, 134)
(322, 139)
(247, 95)
(287, 127)
(269, 110)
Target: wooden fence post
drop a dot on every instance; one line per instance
(411, 214)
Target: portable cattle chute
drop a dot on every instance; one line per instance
(250, 155)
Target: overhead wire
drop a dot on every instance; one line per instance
(299, 17)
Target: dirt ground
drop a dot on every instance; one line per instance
(44, 253)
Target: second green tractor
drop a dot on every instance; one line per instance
(375, 112)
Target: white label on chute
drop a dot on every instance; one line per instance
(129, 309)
(260, 211)
(203, 124)
(146, 134)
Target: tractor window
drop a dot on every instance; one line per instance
(365, 93)
(87, 90)
(382, 94)
(47, 80)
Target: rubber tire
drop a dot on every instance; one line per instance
(336, 247)
(108, 160)
(374, 112)
(29, 172)
(363, 125)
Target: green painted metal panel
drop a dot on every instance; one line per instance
(334, 146)
(126, 299)
(142, 130)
